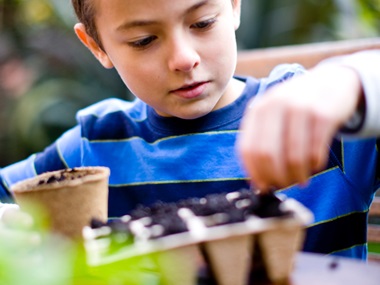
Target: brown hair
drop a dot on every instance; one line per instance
(85, 12)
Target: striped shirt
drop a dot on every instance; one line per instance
(155, 158)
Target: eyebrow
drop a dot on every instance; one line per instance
(142, 23)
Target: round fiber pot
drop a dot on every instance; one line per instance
(70, 198)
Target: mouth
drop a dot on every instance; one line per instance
(190, 91)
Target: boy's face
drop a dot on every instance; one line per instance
(177, 56)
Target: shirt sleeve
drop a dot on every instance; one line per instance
(64, 153)
(367, 65)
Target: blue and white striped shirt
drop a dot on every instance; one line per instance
(159, 158)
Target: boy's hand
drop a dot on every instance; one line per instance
(286, 132)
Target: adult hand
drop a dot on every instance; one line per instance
(285, 133)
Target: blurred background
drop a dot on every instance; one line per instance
(46, 74)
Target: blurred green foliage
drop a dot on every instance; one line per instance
(285, 22)
(32, 254)
(57, 76)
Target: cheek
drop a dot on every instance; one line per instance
(140, 79)
(224, 50)
(224, 58)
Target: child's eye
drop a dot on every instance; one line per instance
(142, 43)
(204, 24)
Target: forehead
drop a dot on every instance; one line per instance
(114, 10)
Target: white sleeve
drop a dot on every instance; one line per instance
(367, 65)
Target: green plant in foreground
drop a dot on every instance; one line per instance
(35, 256)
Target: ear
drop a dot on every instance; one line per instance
(90, 43)
(237, 12)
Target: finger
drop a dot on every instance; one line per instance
(297, 145)
(270, 167)
(251, 145)
(248, 142)
(321, 139)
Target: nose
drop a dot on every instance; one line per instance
(183, 56)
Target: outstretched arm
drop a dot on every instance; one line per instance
(286, 132)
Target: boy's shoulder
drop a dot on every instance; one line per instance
(107, 119)
(114, 105)
(281, 73)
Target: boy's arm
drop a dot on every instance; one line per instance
(285, 133)
(367, 116)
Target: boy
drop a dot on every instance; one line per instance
(177, 139)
